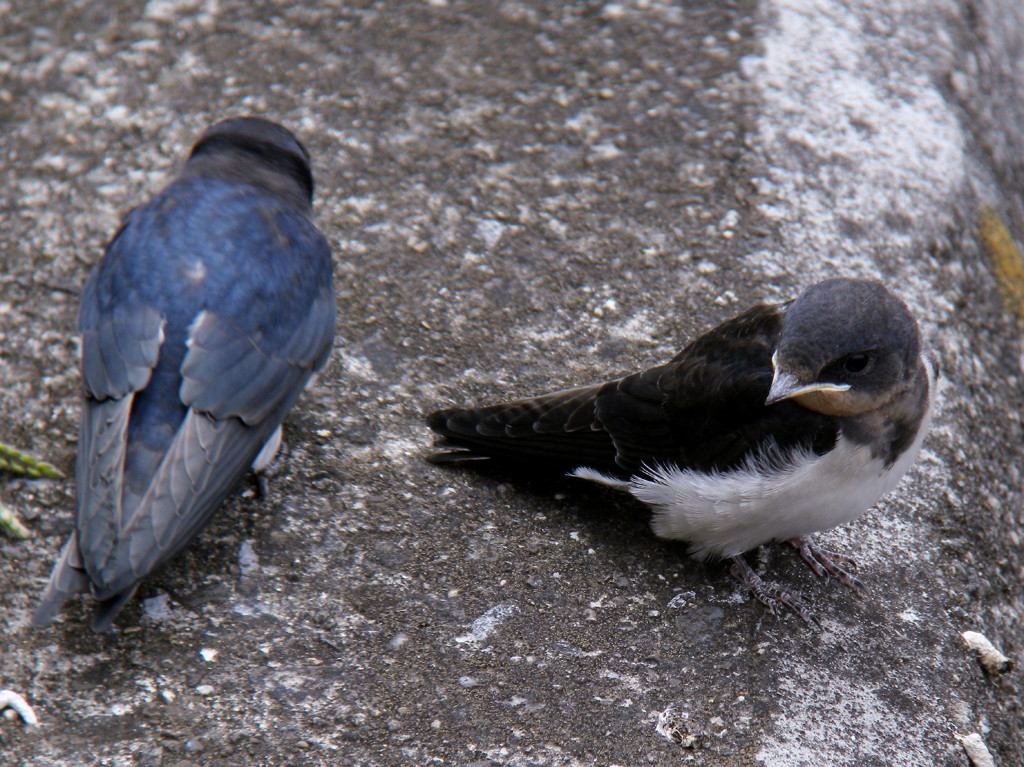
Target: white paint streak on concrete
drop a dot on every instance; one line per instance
(864, 160)
(859, 142)
(487, 624)
(540, 755)
(841, 712)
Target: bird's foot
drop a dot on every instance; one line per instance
(771, 595)
(824, 562)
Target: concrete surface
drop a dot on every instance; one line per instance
(523, 195)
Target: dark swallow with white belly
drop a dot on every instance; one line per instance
(787, 420)
(201, 324)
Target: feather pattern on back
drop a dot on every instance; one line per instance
(208, 314)
(704, 408)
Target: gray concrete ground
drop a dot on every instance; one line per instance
(520, 196)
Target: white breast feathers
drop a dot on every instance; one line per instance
(772, 497)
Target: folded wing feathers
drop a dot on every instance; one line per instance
(206, 457)
(561, 427)
(118, 356)
(102, 439)
(311, 343)
(226, 373)
(68, 578)
(233, 391)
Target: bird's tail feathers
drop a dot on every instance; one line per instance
(452, 452)
(560, 427)
(105, 612)
(560, 412)
(67, 579)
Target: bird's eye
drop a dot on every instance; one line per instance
(856, 363)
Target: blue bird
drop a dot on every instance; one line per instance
(205, 318)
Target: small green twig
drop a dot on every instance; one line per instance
(17, 462)
(10, 525)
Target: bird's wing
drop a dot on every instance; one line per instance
(230, 372)
(705, 409)
(687, 410)
(560, 428)
(614, 426)
(120, 348)
(236, 391)
(68, 577)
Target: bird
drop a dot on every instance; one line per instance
(205, 318)
(789, 419)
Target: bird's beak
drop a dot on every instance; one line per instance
(787, 385)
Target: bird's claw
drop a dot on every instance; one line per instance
(824, 563)
(770, 594)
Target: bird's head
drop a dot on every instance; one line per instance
(846, 347)
(258, 150)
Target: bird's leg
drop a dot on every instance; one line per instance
(262, 486)
(825, 563)
(261, 463)
(769, 594)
